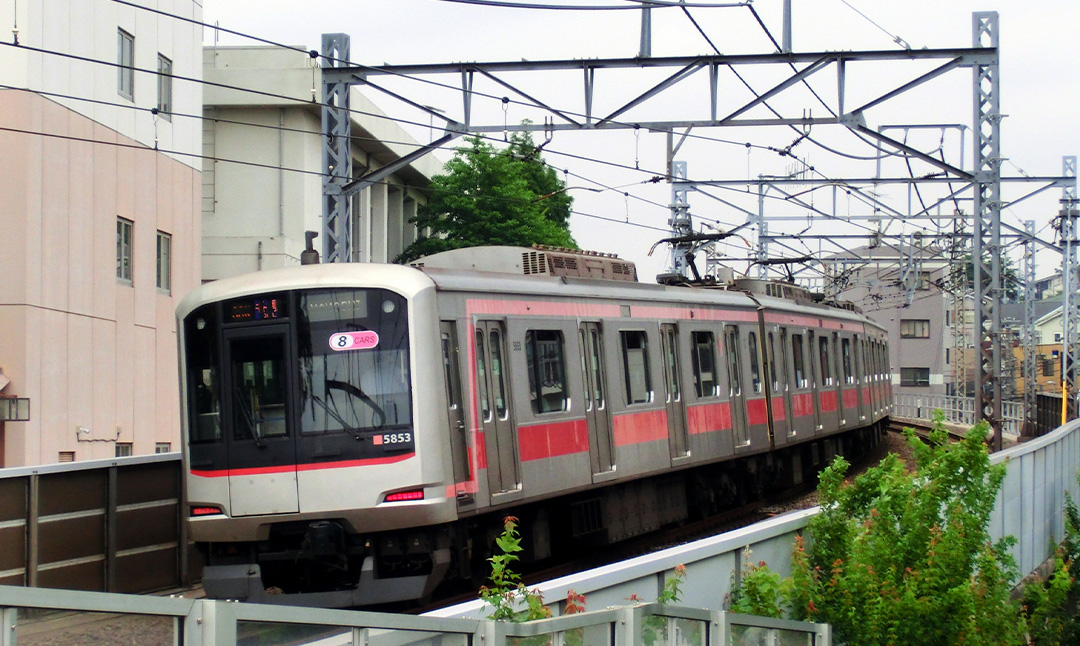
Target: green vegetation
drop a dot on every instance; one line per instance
(900, 557)
(493, 197)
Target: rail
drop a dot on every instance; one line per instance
(958, 410)
(32, 616)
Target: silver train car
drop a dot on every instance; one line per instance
(355, 433)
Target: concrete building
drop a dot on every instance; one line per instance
(907, 299)
(99, 224)
(262, 189)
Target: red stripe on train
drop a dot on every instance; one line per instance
(287, 468)
(757, 412)
(638, 428)
(828, 401)
(851, 398)
(551, 440)
(708, 418)
(778, 411)
(802, 405)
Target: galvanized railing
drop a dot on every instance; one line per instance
(958, 410)
(34, 616)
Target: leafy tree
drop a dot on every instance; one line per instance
(905, 558)
(493, 197)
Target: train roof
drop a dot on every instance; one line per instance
(466, 277)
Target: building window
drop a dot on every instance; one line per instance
(163, 447)
(1057, 337)
(123, 249)
(547, 381)
(123, 449)
(125, 58)
(947, 358)
(66, 456)
(164, 87)
(1048, 367)
(164, 261)
(915, 377)
(914, 329)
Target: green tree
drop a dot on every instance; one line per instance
(1012, 287)
(900, 557)
(493, 197)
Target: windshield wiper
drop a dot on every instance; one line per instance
(359, 394)
(338, 418)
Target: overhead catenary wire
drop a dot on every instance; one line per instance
(819, 173)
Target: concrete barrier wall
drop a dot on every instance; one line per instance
(1029, 507)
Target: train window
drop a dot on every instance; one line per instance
(498, 374)
(755, 363)
(731, 349)
(770, 350)
(585, 369)
(481, 378)
(823, 355)
(200, 348)
(258, 388)
(448, 373)
(845, 353)
(353, 347)
(671, 362)
(635, 350)
(704, 363)
(547, 382)
(797, 357)
(597, 357)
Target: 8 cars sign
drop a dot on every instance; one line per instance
(344, 341)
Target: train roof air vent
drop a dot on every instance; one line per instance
(538, 261)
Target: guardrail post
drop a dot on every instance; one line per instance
(628, 627)
(8, 617)
(111, 528)
(718, 629)
(32, 509)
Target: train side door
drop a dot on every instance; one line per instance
(776, 355)
(816, 378)
(260, 429)
(678, 438)
(459, 435)
(593, 375)
(493, 391)
(735, 392)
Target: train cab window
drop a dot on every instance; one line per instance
(353, 347)
(823, 354)
(798, 360)
(635, 351)
(704, 363)
(731, 349)
(845, 361)
(448, 372)
(258, 387)
(546, 367)
(755, 363)
(200, 331)
(481, 378)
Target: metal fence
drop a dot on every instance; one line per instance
(108, 525)
(1030, 507)
(958, 410)
(31, 617)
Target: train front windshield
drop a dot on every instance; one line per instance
(284, 378)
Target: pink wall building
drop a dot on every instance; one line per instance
(99, 224)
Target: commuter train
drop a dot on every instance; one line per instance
(355, 433)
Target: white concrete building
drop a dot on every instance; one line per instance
(99, 223)
(262, 188)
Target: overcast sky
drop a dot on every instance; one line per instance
(1039, 76)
